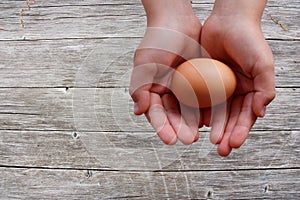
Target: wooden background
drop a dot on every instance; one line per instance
(66, 124)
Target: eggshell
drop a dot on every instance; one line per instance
(203, 82)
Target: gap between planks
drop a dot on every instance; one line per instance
(146, 171)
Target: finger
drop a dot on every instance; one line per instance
(264, 85)
(260, 102)
(235, 110)
(184, 133)
(141, 81)
(141, 98)
(245, 121)
(192, 117)
(157, 117)
(224, 147)
(219, 120)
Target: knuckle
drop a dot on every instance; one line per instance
(272, 95)
(131, 91)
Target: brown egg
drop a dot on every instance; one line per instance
(203, 82)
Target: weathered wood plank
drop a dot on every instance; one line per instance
(51, 20)
(275, 3)
(56, 63)
(58, 3)
(106, 109)
(109, 109)
(47, 131)
(79, 184)
(143, 151)
(101, 63)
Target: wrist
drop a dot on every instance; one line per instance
(157, 8)
(164, 12)
(172, 14)
(239, 10)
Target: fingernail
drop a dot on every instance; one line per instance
(173, 141)
(263, 111)
(136, 107)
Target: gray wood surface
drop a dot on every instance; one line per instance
(64, 60)
(66, 125)
(109, 109)
(90, 184)
(143, 151)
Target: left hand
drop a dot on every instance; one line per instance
(241, 45)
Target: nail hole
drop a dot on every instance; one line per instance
(88, 174)
(75, 135)
(266, 189)
(209, 194)
(67, 88)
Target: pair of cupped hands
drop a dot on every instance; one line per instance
(169, 42)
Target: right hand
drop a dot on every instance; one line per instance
(166, 45)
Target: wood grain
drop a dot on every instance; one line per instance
(101, 63)
(94, 19)
(143, 151)
(83, 184)
(66, 125)
(109, 109)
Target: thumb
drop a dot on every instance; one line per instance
(260, 102)
(141, 98)
(264, 85)
(140, 84)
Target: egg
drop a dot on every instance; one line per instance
(203, 82)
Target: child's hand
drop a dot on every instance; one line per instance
(232, 34)
(172, 36)
(235, 38)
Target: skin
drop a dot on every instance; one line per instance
(156, 102)
(231, 34)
